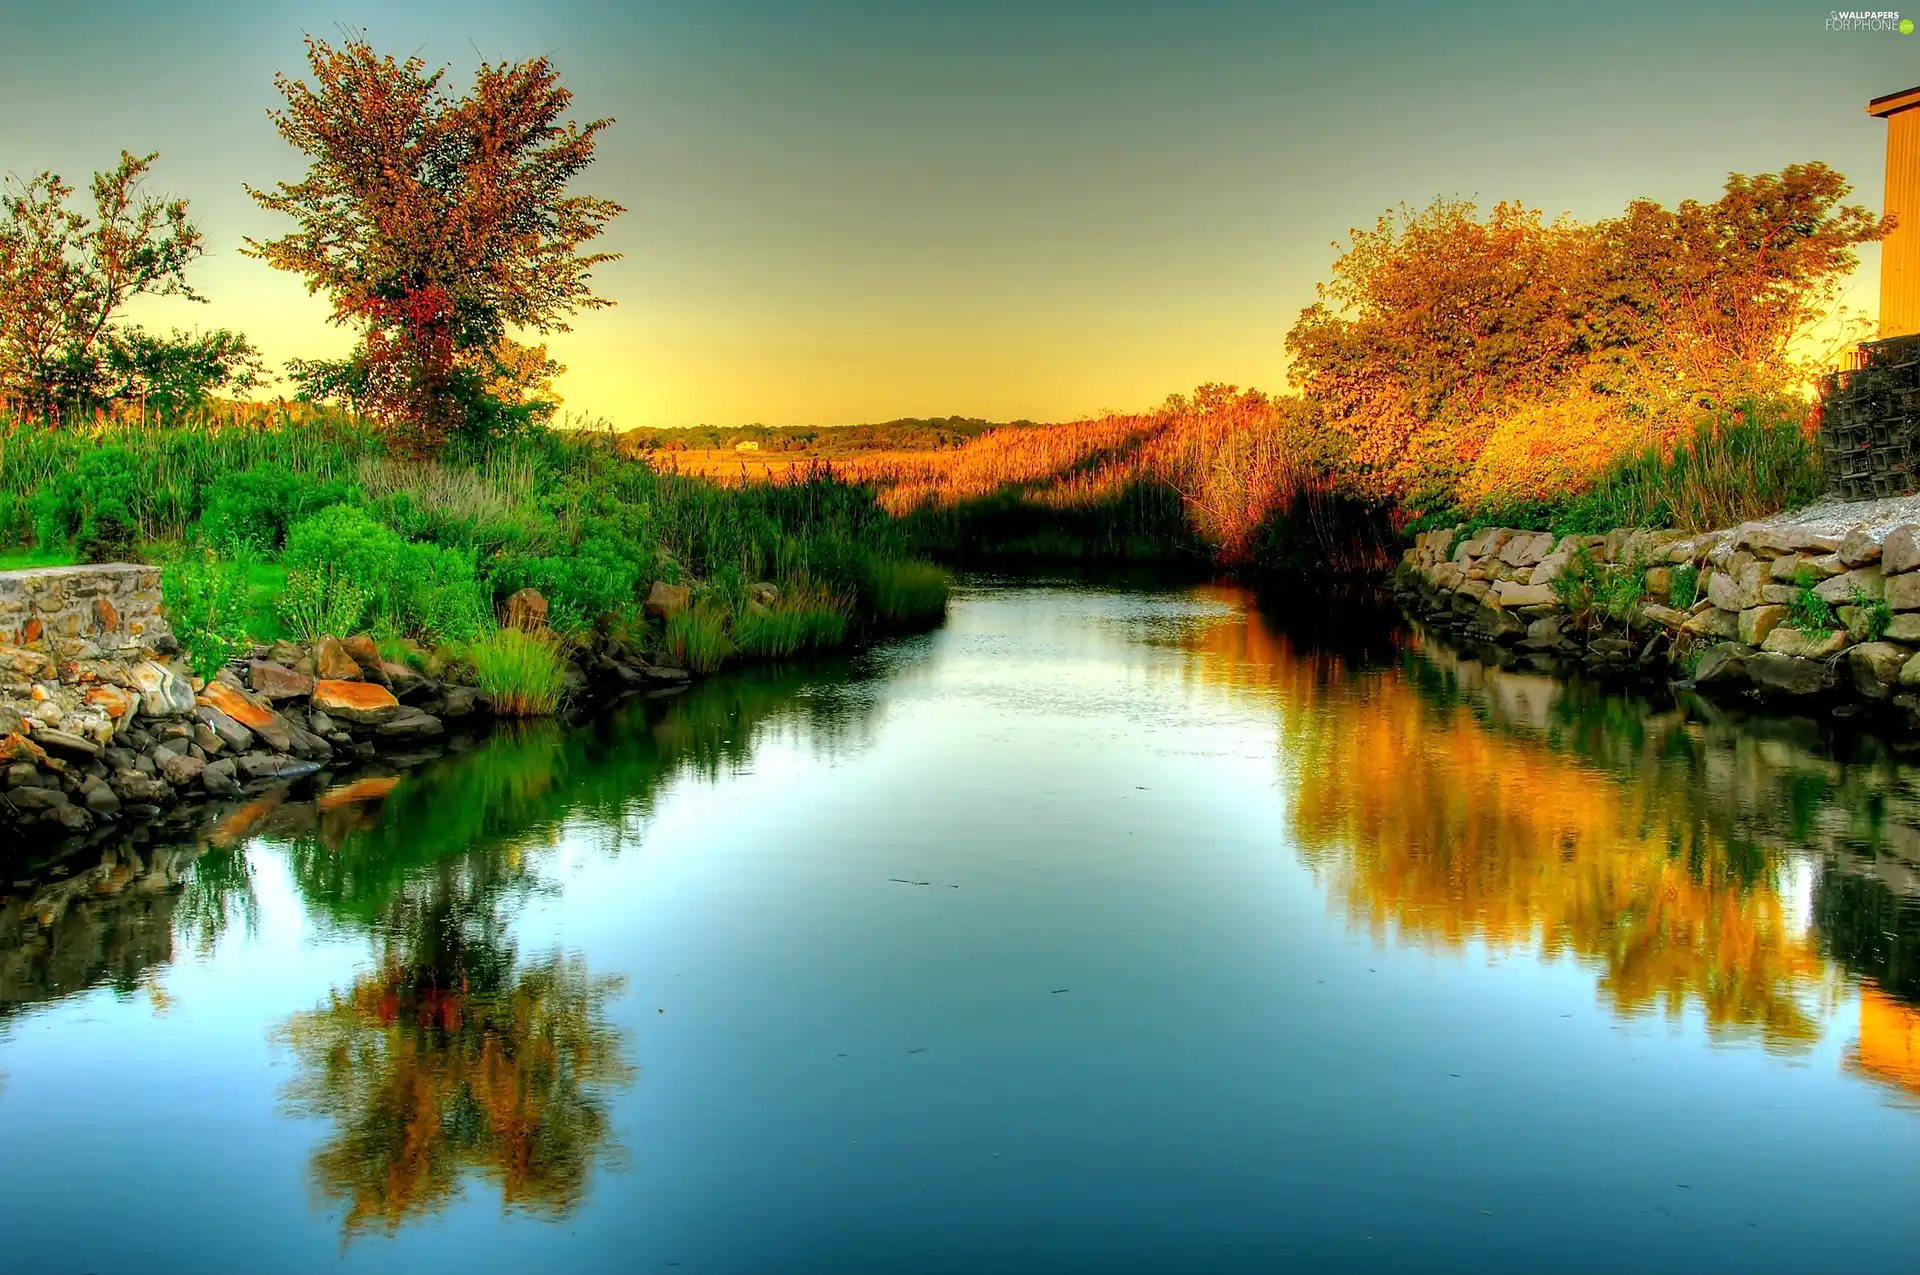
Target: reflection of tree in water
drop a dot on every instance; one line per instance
(455, 1057)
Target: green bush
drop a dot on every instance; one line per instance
(1591, 589)
(91, 507)
(598, 575)
(420, 589)
(256, 506)
(207, 602)
(523, 674)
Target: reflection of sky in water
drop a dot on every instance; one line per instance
(1100, 930)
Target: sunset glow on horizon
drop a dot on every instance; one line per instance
(856, 212)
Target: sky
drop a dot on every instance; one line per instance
(847, 211)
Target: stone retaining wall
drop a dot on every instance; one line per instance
(1735, 634)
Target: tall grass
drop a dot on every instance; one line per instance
(1755, 460)
(697, 638)
(798, 621)
(909, 591)
(522, 673)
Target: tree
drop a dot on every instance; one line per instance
(434, 224)
(170, 374)
(65, 276)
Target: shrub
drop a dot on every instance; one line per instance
(256, 506)
(92, 506)
(316, 604)
(599, 575)
(697, 638)
(522, 673)
(206, 598)
(410, 588)
(1588, 588)
(1875, 614)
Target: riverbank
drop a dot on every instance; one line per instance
(1816, 610)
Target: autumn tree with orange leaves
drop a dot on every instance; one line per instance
(1441, 327)
(437, 226)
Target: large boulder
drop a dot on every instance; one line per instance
(163, 692)
(1757, 622)
(1861, 582)
(276, 681)
(1725, 662)
(664, 601)
(1902, 592)
(366, 653)
(67, 743)
(1788, 675)
(249, 711)
(410, 723)
(332, 663)
(360, 702)
(1857, 548)
(1817, 644)
(182, 769)
(1876, 667)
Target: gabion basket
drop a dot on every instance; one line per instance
(1869, 418)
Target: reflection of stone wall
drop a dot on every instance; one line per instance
(108, 924)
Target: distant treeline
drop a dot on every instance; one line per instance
(909, 433)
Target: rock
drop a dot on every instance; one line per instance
(99, 798)
(249, 711)
(116, 703)
(61, 741)
(332, 663)
(164, 694)
(24, 774)
(318, 722)
(264, 765)
(1714, 622)
(1876, 667)
(205, 738)
(1857, 548)
(145, 765)
(1779, 595)
(1724, 663)
(277, 732)
(407, 683)
(1860, 582)
(526, 610)
(219, 778)
(664, 601)
(1900, 551)
(766, 592)
(1904, 628)
(1738, 588)
(1910, 672)
(179, 769)
(459, 701)
(1664, 616)
(132, 785)
(410, 723)
(277, 681)
(11, 723)
(1794, 643)
(360, 702)
(232, 735)
(18, 747)
(1789, 675)
(1902, 592)
(365, 652)
(1757, 622)
(36, 798)
(169, 748)
(308, 744)
(1511, 594)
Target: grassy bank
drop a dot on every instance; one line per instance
(302, 523)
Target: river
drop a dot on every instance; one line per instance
(1105, 928)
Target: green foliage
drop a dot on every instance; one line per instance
(168, 375)
(795, 622)
(207, 601)
(697, 638)
(1590, 589)
(523, 674)
(319, 604)
(1875, 614)
(410, 587)
(1809, 612)
(1683, 589)
(908, 591)
(254, 507)
(91, 507)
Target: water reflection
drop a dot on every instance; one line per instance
(1740, 869)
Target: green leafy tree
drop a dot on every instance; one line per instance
(171, 374)
(64, 276)
(434, 224)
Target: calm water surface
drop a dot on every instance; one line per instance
(1103, 929)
